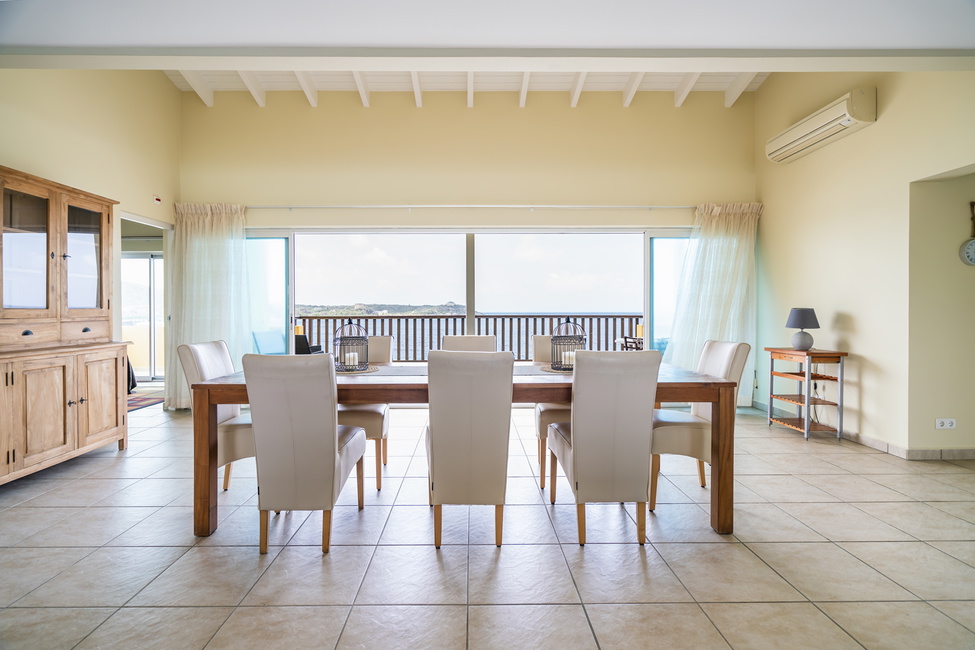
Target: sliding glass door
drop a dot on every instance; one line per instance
(143, 314)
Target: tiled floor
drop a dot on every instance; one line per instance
(835, 546)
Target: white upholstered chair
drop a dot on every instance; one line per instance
(374, 418)
(304, 456)
(604, 449)
(689, 433)
(235, 440)
(467, 438)
(546, 413)
(469, 343)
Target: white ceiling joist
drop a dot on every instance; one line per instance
(360, 84)
(249, 77)
(417, 92)
(523, 95)
(195, 79)
(737, 87)
(470, 89)
(577, 88)
(307, 85)
(685, 87)
(631, 85)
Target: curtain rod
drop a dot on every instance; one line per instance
(439, 205)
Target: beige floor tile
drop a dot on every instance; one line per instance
(923, 488)
(522, 525)
(133, 467)
(920, 568)
(690, 486)
(785, 489)
(667, 492)
(822, 571)
(80, 493)
(606, 523)
(26, 488)
(303, 575)
(243, 528)
(149, 492)
(964, 551)
(623, 573)
(516, 574)
(350, 526)
(89, 527)
(960, 611)
(162, 628)
(524, 491)
(725, 573)
(206, 577)
(961, 509)
(263, 628)
(23, 629)
(413, 526)
(964, 481)
(802, 464)
(416, 575)
(19, 523)
(765, 465)
(774, 626)
(921, 520)
(541, 627)
(843, 522)
(636, 627)
(766, 522)
(866, 464)
(905, 626)
(848, 487)
(398, 627)
(25, 569)
(371, 496)
(682, 523)
(170, 526)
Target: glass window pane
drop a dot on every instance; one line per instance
(668, 257)
(159, 312)
(267, 262)
(135, 313)
(84, 258)
(25, 260)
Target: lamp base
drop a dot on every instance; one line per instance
(802, 340)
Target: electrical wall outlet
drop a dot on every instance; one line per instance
(944, 423)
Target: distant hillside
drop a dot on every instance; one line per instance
(450, 308)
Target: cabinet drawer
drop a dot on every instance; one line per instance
(14, 336)
(79, 331)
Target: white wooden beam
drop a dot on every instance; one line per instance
(417, 92)
(307, 85)
(685, 87)
(577, 89)
(470, 89)
(737, 87)
(631, 85)
(360, 83)
(249, 77)
(524, 88)
(195, 79)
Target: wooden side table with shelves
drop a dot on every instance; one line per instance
(805, 376)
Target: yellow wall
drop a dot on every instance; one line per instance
(837, 234)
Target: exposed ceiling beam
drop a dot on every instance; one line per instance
(307, 85)
(524, 88)
(737, 87)
(417, 92)
(631, 85)
(249, 77)
(199, 86)
(360, 83)
(577, 89)
(685, 87)
(470, 89)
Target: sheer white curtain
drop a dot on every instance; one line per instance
(208, 291)
(716, 295)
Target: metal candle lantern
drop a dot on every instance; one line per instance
(351, 347)
(566, 339)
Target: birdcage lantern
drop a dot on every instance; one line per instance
(351, 347)
(567, 338)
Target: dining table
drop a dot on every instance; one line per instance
(406, 383)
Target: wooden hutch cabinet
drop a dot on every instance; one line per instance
(64, 385)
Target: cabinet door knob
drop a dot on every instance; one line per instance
(27, 333)
(86, 329)
(65, 256)
(71, 402)
(82, 400)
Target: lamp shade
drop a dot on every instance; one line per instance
(802, 318)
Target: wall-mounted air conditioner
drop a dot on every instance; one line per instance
(849, 113)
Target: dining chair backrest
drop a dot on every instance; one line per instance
(470, 420)
(293, 407)
(203, 361)
(612, 413)
(542, 348)
(380, 349)
(469, 343)
(724, 359)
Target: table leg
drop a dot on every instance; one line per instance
(204, 463)
(723, 461)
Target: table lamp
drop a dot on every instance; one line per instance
(802, 318)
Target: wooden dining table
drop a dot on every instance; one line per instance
(406, 383)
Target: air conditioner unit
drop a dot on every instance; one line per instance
(849, 113)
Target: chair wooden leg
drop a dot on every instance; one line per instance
(641, 522)
(226, 476)
(551, 490)
(326, 530)
(654, 471)
(581, 516)
(385, 451)
(263, 543)
(700, 473)
(437, 524)
(360, 482)
(498, 523)
(541, 463)
(379, 464)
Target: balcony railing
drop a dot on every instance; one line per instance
(415, 336)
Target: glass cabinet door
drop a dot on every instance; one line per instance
(83, 263)
(26, 253)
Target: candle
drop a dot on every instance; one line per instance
(351, 359)
(568, 358)
(299, 329)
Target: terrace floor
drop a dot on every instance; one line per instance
(835, 545)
